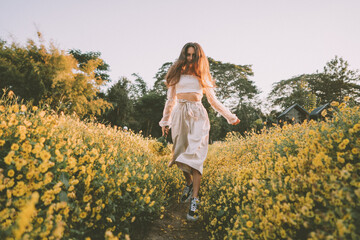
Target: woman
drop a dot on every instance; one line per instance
(187, 79)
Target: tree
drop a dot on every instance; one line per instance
(159, 85)
(336, 82)
(135, 106)
(102, 69)
(294, 90)
(48, 75)
(233, 81)
(118, 96)
(313, 90)
(139, 88)
(148, 112)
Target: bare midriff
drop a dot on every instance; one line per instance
(190, 96)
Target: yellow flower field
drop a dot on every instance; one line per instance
(62, 178)
(295, 182)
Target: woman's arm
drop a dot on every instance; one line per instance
(219, 107)
(169, 105)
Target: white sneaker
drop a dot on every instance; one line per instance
(192, 214)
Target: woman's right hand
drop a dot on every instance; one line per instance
(165, 129)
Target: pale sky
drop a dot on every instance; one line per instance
(279, 38)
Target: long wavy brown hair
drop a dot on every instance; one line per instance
(199, 67)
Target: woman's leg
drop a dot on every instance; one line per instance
(188, 178)
(196, 182)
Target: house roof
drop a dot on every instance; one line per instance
(318, 110)
(297, 106)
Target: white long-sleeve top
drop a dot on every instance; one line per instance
(189, 83)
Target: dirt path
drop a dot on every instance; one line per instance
(175, 226)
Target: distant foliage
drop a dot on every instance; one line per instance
(313, 90)
(48, 75)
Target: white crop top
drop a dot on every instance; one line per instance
(188, 83)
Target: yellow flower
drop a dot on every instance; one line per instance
(323, 113)
(29, 174)
(13, 120)
(26, 147)
(27, 123)
(213, 222)
(343, 144)
(40, 220)
(355, 150)
(16, 108)
(22, 129)
(245, 216)
(42, 114)
(44, 155)
(86, 198)
(11, 94)
(249, 224)
(281, 197)
(8, 159)
(37, 148)
(83, 215)
(20, 189)
(71, 162)
(334, 104)
(14, 147)
(23, 108)
(317, 219)
(342, 105)
(356, 127)
(43, 167)
(11, 173)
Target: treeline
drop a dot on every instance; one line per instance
(71, 81)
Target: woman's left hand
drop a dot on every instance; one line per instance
(237, 122)
(165, 130)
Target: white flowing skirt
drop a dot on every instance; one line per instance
(190, 135)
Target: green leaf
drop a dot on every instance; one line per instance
(64, 178)
(63, 196)
(220, 213)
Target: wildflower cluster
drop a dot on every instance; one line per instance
(296, 182)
